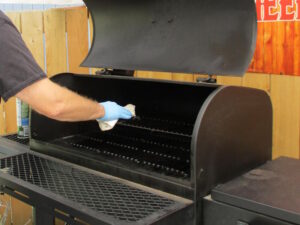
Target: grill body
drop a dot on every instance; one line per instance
(186, 139)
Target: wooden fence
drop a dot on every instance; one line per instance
(59, 39)
(277, 48)
(278, 37)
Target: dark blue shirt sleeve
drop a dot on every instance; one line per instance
(18, 68)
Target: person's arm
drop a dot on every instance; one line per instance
(59, 103)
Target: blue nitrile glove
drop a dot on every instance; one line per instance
(113, 111)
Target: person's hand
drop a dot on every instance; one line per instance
(113, 111)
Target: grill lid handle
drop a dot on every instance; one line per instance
(188, 36)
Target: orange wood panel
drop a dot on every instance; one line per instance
(10, 116)
(18, 213)
(257, 80)
(154, 75)
(297, 48)
(6, 207)
(21, 212)
(77, 29)
(278, 45)
(268, 47)
(285, 95)
(55, 33)
(259, 52)
(183, 77)
(274, 53)
(288, 48)
(280, 38)
(229, 80)
(32, 33)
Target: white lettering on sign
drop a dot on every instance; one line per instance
(278, 10)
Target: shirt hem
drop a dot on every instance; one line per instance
(21, 86)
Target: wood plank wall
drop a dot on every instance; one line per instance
(59, 40)
(277, 48)
(77, 36)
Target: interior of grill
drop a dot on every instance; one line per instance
(157, 140)
(154, 144)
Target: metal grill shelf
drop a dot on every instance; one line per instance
(99, 193)
(15, 138)
(160, 152)
(160, 125)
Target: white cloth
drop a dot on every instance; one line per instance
(108, 125)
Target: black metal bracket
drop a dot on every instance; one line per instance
(105, 71)
(210, 79)
(42, 217)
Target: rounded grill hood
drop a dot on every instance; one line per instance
(187, 36)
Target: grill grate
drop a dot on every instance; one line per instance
(104, 195)
(14, 137)
(160, 125)
(160, 152)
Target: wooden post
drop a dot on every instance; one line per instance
(55, 33)
(77, 30)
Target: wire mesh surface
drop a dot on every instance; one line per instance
(104, 195)
(15, 138)
(156, 151)
(160, 125)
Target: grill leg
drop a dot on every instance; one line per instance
(42, 218)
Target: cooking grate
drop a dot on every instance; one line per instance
(160, 152)
(104, 195)
(14, 137)
(160, 125)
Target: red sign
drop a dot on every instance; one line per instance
(278, 10)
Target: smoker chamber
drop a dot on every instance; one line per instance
(186, 139)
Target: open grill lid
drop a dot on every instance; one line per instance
(190, 36)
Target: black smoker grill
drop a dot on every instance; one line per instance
(186, 139)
